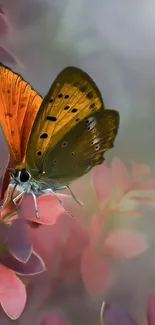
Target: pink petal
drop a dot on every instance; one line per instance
(19, 246)
(124, 244)
(49, 208)
(54, 318)
(119, 174)
(34, 265)
(151, 308)
(94, 271)
(95, 229)
(102, 181)
(139, 171)
(12, 293)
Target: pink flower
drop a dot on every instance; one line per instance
(16, 258)
(117, 189)
(119, 193)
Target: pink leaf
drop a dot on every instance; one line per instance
(94, 271)
(12, 293)
(124, 244)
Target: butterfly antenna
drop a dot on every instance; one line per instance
(74, 197)
(35, 204)
(12, 169)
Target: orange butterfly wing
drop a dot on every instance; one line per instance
(19, 104)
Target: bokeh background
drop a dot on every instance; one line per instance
(113, 41)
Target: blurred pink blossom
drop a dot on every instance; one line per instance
(118, 193)
(119, 190)
(16, 258)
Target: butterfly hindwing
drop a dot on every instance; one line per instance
(19, 104)
(72, 97)
(81, 148)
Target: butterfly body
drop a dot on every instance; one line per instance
(58, 139)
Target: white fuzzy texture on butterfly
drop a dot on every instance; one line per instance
(30, 186)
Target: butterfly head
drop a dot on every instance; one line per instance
(22, 176)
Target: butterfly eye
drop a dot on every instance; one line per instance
(24, 176)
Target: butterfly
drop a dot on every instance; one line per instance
(57, 139)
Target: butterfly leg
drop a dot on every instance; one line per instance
(13, 191)
(18, 197)
(49, 190)
(35, 204)
(74, 197)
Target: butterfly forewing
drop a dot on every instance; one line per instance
(18, 107)
(72, 97)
